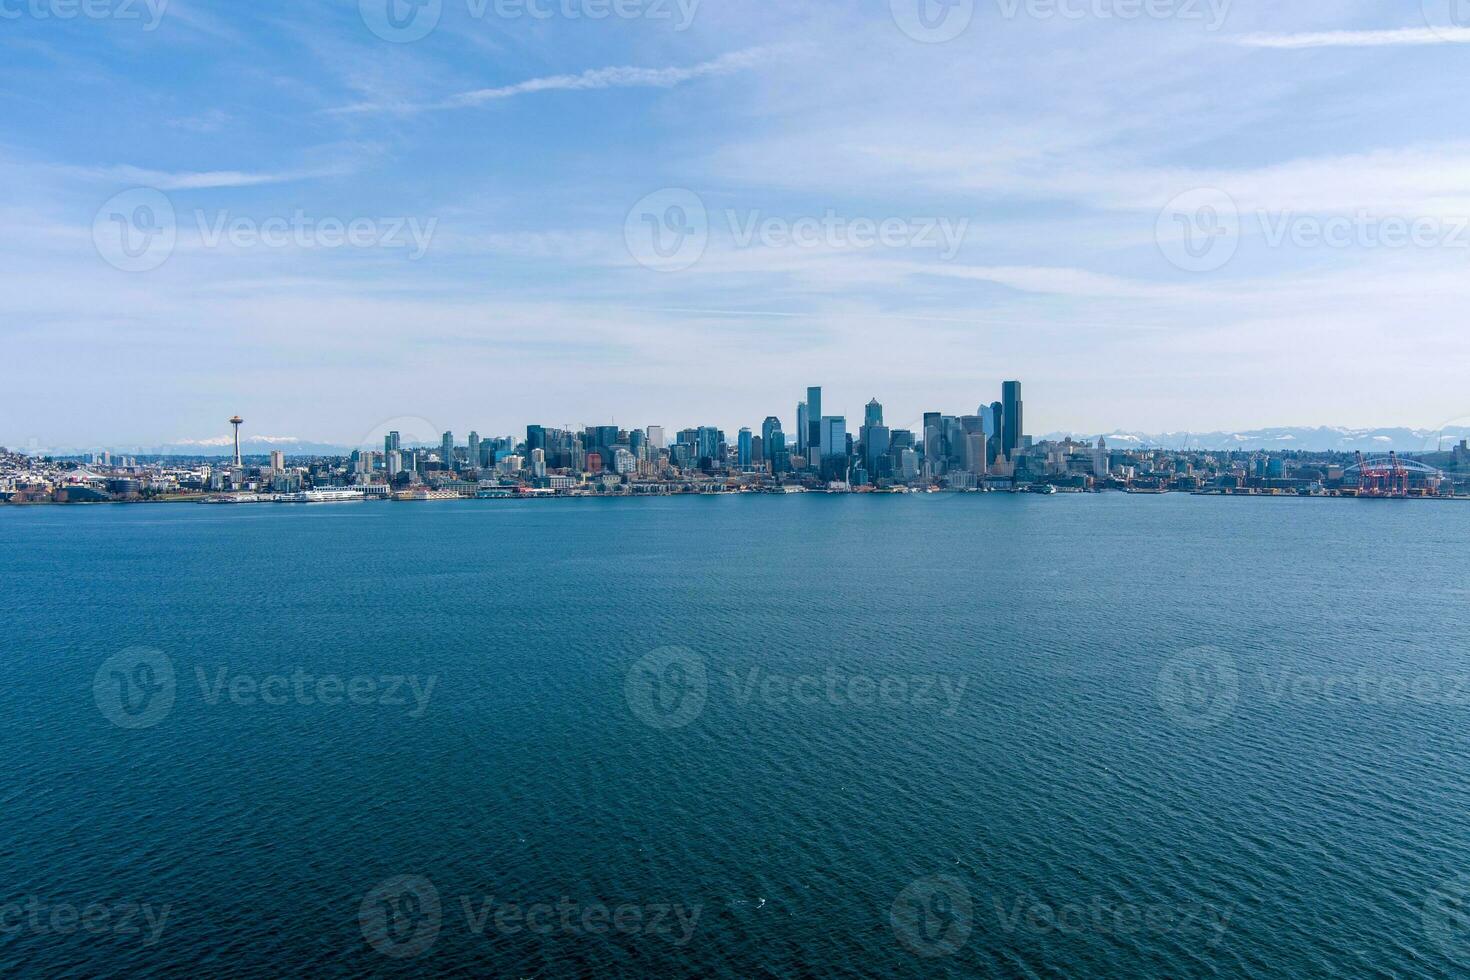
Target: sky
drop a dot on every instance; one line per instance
(327, 215)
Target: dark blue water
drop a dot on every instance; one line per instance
(742, 736)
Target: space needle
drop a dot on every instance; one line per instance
(237, 421)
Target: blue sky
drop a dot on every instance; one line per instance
(1161, 214)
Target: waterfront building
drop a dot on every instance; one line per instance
(974, 457)
(769, 428)
(833, 447)
(1012, 425)
(814, 423)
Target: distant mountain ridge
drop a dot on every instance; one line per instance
(1286, 438)
(1283, 439)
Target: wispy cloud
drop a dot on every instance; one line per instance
(1359, 39)
(197, 180)
(592, 79)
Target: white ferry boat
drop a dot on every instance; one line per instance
(423, 493)
(332, 495)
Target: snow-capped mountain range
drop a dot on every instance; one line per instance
(1304, 439)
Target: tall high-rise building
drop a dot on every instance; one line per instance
(803, 429)
(709, 446)
(814, 422)
(995, 420)
(875, 439)
(656, 437)
(391, 442)
(1012, 424)
(446, 450)
(278, 461)
(934, 443)
(974, 451)
(876, 446)
(831, 452)
(769, 427)
(743, 449)
(474, 449)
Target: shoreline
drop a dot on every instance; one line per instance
(225, 501)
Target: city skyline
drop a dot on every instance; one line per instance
(390, 222)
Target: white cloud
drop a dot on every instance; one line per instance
(1359, 39)
(592, 79)
(196, 180)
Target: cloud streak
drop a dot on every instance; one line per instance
(1359, 39)
(197, 180)
(591, 80)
